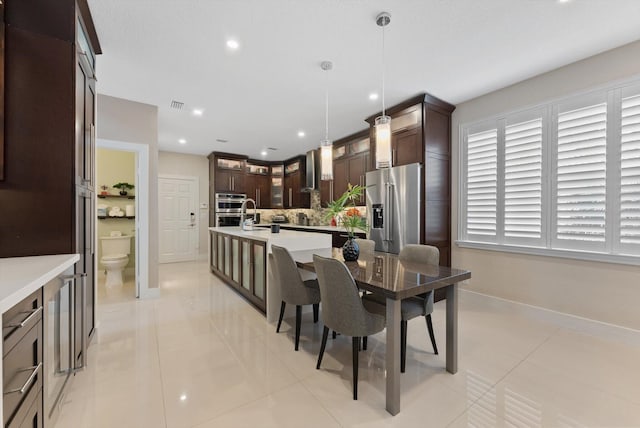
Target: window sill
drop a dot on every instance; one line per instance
(547, 252)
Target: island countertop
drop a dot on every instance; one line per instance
(293, 240)
(21, 276)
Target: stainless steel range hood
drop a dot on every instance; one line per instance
(313, 172)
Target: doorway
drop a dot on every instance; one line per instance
(135, 206)
(177, 206)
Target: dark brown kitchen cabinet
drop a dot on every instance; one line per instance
(226, 173)
(229, 181)
(406, 147)
(50, 101)
(23, 363)
(351, 163)
(326, 192)
(294, 178)
(257, 183)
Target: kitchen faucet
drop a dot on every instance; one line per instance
(243, 214)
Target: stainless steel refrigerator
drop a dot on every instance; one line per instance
(393, 207)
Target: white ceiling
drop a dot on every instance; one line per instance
(156, 51)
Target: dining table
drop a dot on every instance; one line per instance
(395, 279)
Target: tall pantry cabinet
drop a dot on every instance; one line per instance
(48, 192)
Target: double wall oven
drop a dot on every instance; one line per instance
(228, 209)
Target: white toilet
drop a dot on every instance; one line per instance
(115, 257)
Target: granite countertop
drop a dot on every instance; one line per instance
(21, 276)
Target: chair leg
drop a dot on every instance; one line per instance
(433, 337)
(325, 334)
(298, 320)
(282, 305)
(316, 310)
(403, 345)
(334, 334)
(355, 344)
(364, 343)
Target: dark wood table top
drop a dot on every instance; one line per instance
(386, 274)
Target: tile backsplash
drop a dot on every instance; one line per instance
(315, 214)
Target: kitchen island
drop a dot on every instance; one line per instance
(241, 259)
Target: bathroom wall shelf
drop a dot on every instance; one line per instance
(117, 196)
(104, 217)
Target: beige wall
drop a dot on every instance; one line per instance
(128, 121)
(601, 291)
(113, 166)
(170, 163)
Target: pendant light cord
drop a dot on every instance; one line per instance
(383, 67)
(326, 107)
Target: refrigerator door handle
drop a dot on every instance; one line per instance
(388, 221)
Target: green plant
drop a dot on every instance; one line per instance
(123, 186)
(344, 211)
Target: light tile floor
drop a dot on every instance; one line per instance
(200, 356)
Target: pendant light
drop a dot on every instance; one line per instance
(383, 123)
(326, 145)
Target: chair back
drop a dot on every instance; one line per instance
(367, 246)
(292, 289)
(342, 308)
(420, 254)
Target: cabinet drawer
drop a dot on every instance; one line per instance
(22, 373)
(17, 321)
(30, 414)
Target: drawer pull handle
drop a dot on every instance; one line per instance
(32, 376)
(34, 313)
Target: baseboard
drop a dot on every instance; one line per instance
(561, 319)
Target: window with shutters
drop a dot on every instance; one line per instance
(629, 201)
(482, 184)
(561, 179)
(581, 176)
(523, 144)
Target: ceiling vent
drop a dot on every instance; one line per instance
(221, 140)
(177, 105)
(272, 148)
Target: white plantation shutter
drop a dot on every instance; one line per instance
(630, 171)
(560, 179)
(482, 184)
(523, 181)
(580, 192)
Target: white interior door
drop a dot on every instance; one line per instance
(178, 219)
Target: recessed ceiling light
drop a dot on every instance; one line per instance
(564, 1)
(301, 134)
(263, 153)
(197, 112)
(183, 397)
(233, 44)
(182, 141)
(373, 96)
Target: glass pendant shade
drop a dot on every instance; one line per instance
(326, 160)
(383, 142)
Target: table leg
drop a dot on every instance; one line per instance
(452, 328)
(393, 356)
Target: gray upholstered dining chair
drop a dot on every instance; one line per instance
(420, 305)
(367, 246)
(293, 289)
(344, 311)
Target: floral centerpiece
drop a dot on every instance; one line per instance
(344, 211)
